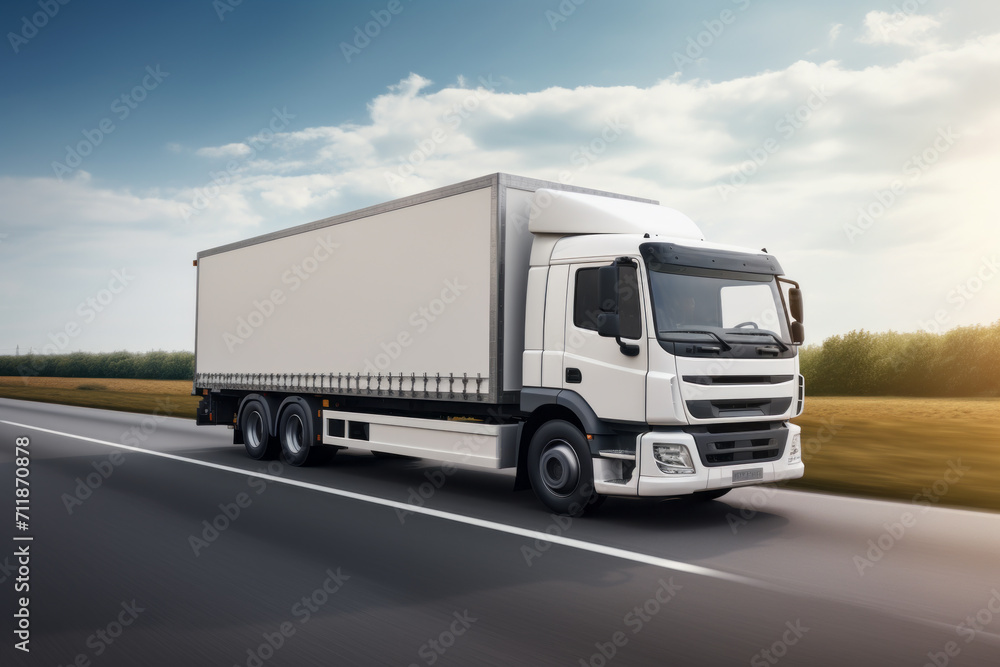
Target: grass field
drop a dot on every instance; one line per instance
(170, 397)
(945, 448)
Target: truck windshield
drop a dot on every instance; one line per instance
(741, 307)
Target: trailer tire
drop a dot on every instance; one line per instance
(297, 437)
(257, 439)
(561, 469)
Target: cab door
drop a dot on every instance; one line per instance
(613, 383)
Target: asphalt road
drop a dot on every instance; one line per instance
(325, 566)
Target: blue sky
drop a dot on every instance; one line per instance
(166, 98)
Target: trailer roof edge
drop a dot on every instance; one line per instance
(497, 179)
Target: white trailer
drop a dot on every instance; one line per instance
(594, 342)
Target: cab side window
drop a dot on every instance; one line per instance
(587, 305)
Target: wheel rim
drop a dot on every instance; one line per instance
(255, 430)
(559, 467)
(293, 434)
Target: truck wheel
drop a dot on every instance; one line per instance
(298, 441)
(257, 432)
(561, 470)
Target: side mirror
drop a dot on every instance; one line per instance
(608, 325)
(607, 288)
(608, 321)
(795, 303)
(798, 333)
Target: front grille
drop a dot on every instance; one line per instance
(719, 409)
(739, 427)
(750, 445)
(737, 379)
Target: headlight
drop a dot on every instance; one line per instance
(673, 459)
(795, 450)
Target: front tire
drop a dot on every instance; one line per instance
(257, 439)
(561, 469)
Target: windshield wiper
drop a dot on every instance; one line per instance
(758, 332)
(714, 335)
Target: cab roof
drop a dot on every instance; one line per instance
(559, 212)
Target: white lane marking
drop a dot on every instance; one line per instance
(615, 552)
(895, 504)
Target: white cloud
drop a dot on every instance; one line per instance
(35, 204)
(901, 29)
(298, 192)
(815, 142)
(835, 32)
(227, 151)
(65, 241)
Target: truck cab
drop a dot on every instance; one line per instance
(678, 357)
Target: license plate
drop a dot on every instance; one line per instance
(749, 475)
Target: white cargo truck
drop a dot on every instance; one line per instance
(594, 342)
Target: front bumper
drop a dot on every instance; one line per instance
(648, 480)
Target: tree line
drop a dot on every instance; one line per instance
(962, 362)
(156, 365)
